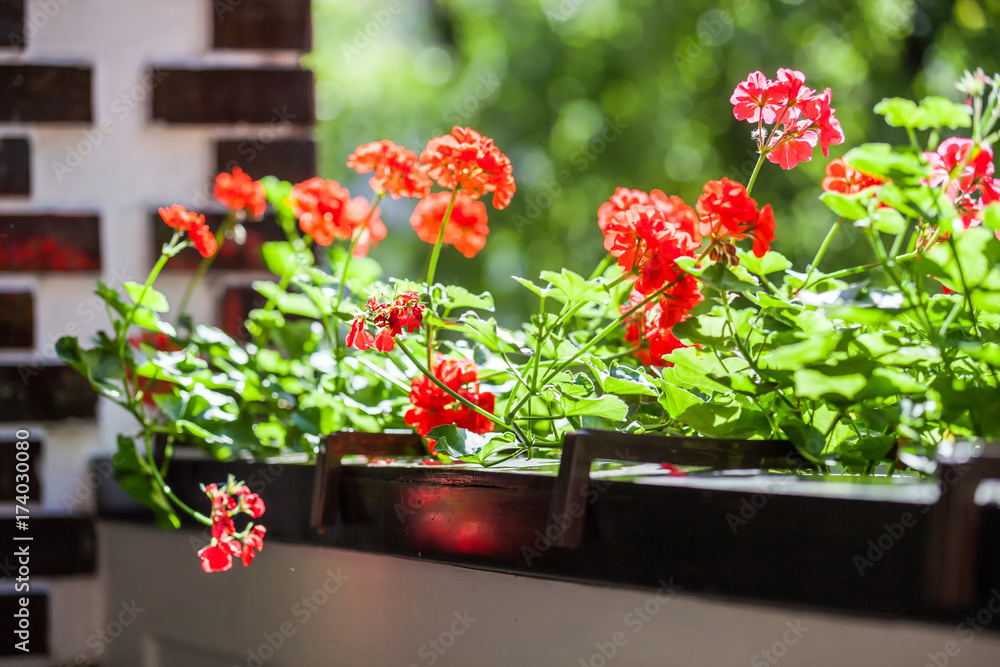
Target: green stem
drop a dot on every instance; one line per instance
(354, 244)
(166, 487)
(820, 253)
(206, 262)
(756, 170)
(431, 269)
(168, 251)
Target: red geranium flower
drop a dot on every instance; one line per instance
(467, 226)
(203, 240)
(320, 207)
(226, 542)
(467, 161)
(801, 117)
(180, 218)
(239, 192)
(358, 215)
(432, 406)
(844, 179)
(397, 170)
(390, 317)
(729, 214)
(652, 328)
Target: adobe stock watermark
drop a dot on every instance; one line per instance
(559, 523)
(249, 149)
(779, 649)
(458, 113)
(892, 533)
(302, 611)
(41, 12)
(364, 35)
(969, 629)
(99, 641)
(122, 107)
(714, 28)
(635, 620)
(582, 160)
(750, 505)
(432, 650)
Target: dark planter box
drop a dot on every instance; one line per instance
(874, 548)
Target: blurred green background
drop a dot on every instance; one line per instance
(612, 93)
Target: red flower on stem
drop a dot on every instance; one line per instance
(469, 162)
(397, 171)
(652, 327)
(844, 179)
(801, 118)
(467, 226)
(728, 214)
(320, 206)
(432, 406)
(226, 541)
(239, 192)
(184, 220)
(390, 317)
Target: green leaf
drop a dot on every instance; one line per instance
(882, 160)
(723, 278)
(131, 475)
(152, 299)
(888, 220)
(675, 400)
(607, 406)
(847, 206)
(815, 384)
(625, 381)
(459, 297)
(280, 257)
(796, 355)
(147, 319)
(574, 286)
(458, 442)
(540, 291)
(932, 112)
(769, 263)
(491, 335)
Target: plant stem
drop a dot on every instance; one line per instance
(431, 269)
(160, 263)
(354, 244)
(756, 170)
(166, 487)
(448, 390)
(820, 253)
(206, 262)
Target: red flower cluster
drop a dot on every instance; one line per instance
(226, 542)
(646, 233)
(432, 406)
(239, 192)
(801, 117)
(467, 225)
(973, 187)
(397, 170)
(728, 214)
(184, 220)
(844, 179)
(467, 161)
(390, 317)
(326, 212)
(652, 329)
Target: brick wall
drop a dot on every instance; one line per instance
(108, 110)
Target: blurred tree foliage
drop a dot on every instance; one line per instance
(588, 95)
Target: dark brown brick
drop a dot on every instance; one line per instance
(45, 94)
(59, 546)
(9, 471)
(237, 302)
(38, 610)
(272, 96)
(42, 242)
(12, 24)
(17, 320)
(44, 393)
(289, 159)
(263, 24)
(230, 256)
(15, 167)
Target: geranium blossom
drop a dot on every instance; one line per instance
(239, 192)
(432, 406)
(359, 215)
(652, 327)
(467, 161)
(965, 170)
(844, 179)
(397, 171)
(226, 541)
(728, 214)
(390, 318)
(800, 117)
(184, 220)
(320, 207)
(467, 225)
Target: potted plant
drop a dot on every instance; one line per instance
(678, 332)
